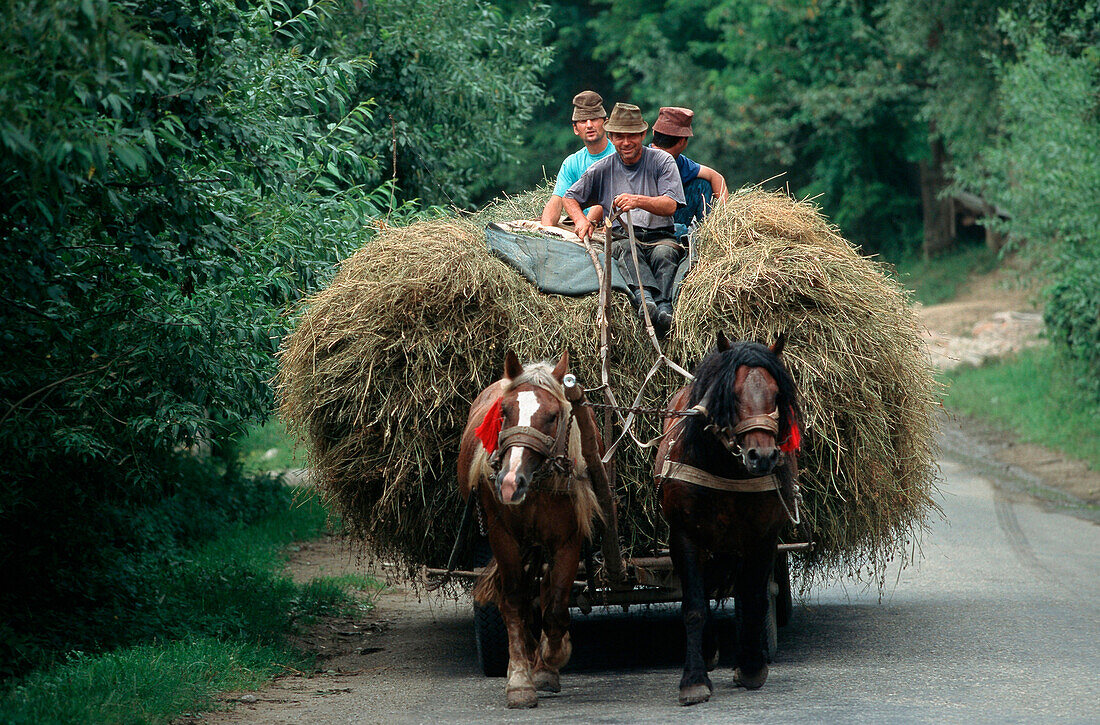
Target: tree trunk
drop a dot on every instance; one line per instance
(939, 212)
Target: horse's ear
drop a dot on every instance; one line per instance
(723, 343)
(562, 367)
(512, 368)
(777, 347)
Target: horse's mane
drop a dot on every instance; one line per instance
(716, 375)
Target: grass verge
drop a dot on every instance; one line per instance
(1036, 396)
(938, 280)
(222, 615)
(269, 447)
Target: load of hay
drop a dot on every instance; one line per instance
(382, 365)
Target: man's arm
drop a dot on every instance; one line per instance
(551, 213)
(659, 205)
(717, 181)
(583, 225)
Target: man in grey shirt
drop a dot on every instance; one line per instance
(645, 182)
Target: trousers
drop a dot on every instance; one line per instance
(658, 257)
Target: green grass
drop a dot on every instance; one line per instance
(938, 280)
(142, 684)
(269, 447)
(215, 617)
(1033, 395)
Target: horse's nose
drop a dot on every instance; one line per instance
(512, 486)
(760, 460)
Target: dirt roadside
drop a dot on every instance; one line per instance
(992, 318)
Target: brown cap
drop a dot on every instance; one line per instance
(626, 118)
(674, 121)
(588, 104)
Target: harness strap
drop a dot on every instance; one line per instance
(699, 477)
(528, 437)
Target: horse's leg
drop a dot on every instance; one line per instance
(514, 602)
(711, 583)
(695, 685)
(752, 596)
(556, 646)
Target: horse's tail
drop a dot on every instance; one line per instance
(488, 588)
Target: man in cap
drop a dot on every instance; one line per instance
(671, 132)
(588, 123)
(645, 182)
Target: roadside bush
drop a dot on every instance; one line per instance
(173, 175)
(1072, 315)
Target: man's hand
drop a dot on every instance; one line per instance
(582, 225)
(584, 228)
(626, 202)
(659, 205)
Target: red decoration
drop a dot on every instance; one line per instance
(794, 440)
(489, 430)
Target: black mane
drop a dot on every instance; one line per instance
(717, 373)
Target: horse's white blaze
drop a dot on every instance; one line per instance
(528, 405)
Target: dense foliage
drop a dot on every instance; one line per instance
(174, 175)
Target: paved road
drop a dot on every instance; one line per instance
(1000, 622)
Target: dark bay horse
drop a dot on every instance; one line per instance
(521, 456)
(726, 489)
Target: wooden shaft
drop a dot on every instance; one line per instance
(590, 450)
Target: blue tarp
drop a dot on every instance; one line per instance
(553, 265)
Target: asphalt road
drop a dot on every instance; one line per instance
(999, 622)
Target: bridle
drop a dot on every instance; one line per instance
(554, 449)
(730, 436)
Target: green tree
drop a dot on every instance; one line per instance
(804, 89)
(174, 174)
(453, 84)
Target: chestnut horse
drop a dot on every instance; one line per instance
(726, 489)
(521, 455)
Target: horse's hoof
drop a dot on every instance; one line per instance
(752, 683)
(713, 661)
(694, 694)
(546, 681)
(521, 697)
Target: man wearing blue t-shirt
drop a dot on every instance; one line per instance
(588, 121)
(702, 184)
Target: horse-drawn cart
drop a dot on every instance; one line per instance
(382, 367)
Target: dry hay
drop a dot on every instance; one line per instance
(381, 368)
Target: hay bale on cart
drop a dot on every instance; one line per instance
(382, 365)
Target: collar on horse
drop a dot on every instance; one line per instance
(554, 473)
(699, 477)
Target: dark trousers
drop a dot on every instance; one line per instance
(658, 257)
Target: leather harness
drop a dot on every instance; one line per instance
(553, 449)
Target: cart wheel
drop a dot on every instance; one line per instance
(490, 634)
(784, 604)
(492, 640)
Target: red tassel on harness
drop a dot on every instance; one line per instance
(489, 430)
(794, 439)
